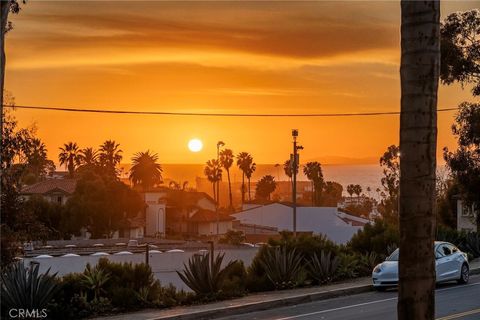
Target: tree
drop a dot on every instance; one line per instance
(244, 162)
(351, 190)
(100, 204)
(388, 207)
(213, 172)
(70, 157)
(265, 186)
(37, 166)
(88, 159)
(6, 7)
(250, 170)
(419, 74)
(332, 194)
(357, 189)
(226, 161)
(110, 156)
(145, 171)
(460, 49)
(464, 163)
(287, 168)
(313, 171)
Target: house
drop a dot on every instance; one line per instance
(203, 222)
(466, 215)
(52, 190)
(337, 226)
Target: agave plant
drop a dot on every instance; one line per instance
(323, 268)
(94, 279)
(205, 277)
(283, 267)
(348, 266)
(25, 288)
(368, 262)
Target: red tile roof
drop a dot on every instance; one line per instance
(203, 215)
(43, 187)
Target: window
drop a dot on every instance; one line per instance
(59, 200)
(446, 250)
(439, 252)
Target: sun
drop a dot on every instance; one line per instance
(195, 145)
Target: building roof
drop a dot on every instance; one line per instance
(203, 215)
(46, 186)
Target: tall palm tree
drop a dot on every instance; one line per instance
(244, 161)
(419, 74)
(313, 171)
(110, 156)
(145, 171)
(213, 172)
(226, 161)
(70, 157)
(88, 158)
(287, 168)
(250, 170)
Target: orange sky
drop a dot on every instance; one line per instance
(268, 57)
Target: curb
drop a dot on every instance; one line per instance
(265, 305)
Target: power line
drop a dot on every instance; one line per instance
(199, 114)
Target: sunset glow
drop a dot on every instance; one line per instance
(195, 145)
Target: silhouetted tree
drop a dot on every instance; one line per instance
(248, 174)
(265, 186)
(244, 162)
(419, 76)
(70, 157)
(110, 156)
(351, 190)
(213, 172)
(460, 46)
(357, 189)
(390, 161)
(464, 163)
(226, 161)
(145, 171)
(313, 171)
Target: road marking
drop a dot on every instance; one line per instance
(459, 315)
(368, 303)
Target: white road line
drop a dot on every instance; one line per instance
(364, 304)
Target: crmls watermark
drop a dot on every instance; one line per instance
(27, 313)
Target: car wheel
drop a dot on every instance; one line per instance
(464, 274)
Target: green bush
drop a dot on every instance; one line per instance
(305, 245)
(257, 280)
(234, 283)
(468, 242)
(378, 237)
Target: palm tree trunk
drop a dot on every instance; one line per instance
(249, 193)
(214, 193)
(419, 71)
(229, 189)
(4, 8)
(243, 187)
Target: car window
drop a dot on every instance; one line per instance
(439, 252)
(446, 250)
(393, 256)
(452, 248)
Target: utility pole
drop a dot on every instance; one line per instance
(217, 201)
(294, 162)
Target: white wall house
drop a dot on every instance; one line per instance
(155, 213)
(466, 216)
(338, 227)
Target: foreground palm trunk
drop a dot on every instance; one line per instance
(419, 72)
(4, 9)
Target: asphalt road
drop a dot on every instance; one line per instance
(452, 302)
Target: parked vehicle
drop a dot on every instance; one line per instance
(451, 264)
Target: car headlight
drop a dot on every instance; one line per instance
(378, 269)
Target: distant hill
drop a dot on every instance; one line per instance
(338, 160)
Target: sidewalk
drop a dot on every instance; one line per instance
(259, 301)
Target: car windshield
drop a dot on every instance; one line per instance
(393, 256)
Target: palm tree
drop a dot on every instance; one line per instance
(70, 157)
(357, 189)
(265, 186)
(419, 74)
(213, 172)
(145, 171)
(88, 158)
(244, 162)
(110, 156)
(351, 190)
(226, 161)
(313, 171)
(251, 169)
(287, 168)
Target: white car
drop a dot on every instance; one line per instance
(451, 264)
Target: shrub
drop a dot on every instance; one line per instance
(378, 237)
(367, 262)
(94, 280)
(234, 284)
(468, 242)
(348, 266)
(306, 245)
(323, 268)
(283, 267)
(257, 280)
(233, 237)
(26, 288)
(203, 277)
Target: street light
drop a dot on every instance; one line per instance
(294, 161)
(219, 145)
